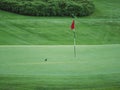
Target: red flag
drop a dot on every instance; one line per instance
(73, 25)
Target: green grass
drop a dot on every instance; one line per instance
(100, 28)
(107, 9)
(95, 68)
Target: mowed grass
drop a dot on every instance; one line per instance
(97, 67)
(100, 28)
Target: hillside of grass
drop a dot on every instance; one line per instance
(102, 27)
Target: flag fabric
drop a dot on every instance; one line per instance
(73, 25)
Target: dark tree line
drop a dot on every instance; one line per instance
(49, 7)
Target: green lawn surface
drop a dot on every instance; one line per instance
(95, 68)
(25, 43)
(100, 28)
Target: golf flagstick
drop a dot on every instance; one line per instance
(73, 28)
(74, 43)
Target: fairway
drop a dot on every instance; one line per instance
(24, 67)
(103, 27)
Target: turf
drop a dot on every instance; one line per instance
(95, 68)
(23, 67)
(100, 28)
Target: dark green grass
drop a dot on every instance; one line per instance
(107, 9)
(95, 68)
(91, 82)
(100, 28)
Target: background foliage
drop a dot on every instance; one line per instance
(49, 7)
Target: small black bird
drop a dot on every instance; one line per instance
(46, 59)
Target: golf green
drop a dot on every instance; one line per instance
(52, 67)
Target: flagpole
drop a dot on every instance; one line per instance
(74, 43)
(74, 34)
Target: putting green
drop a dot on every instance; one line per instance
(97, 67)
(31, 59)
